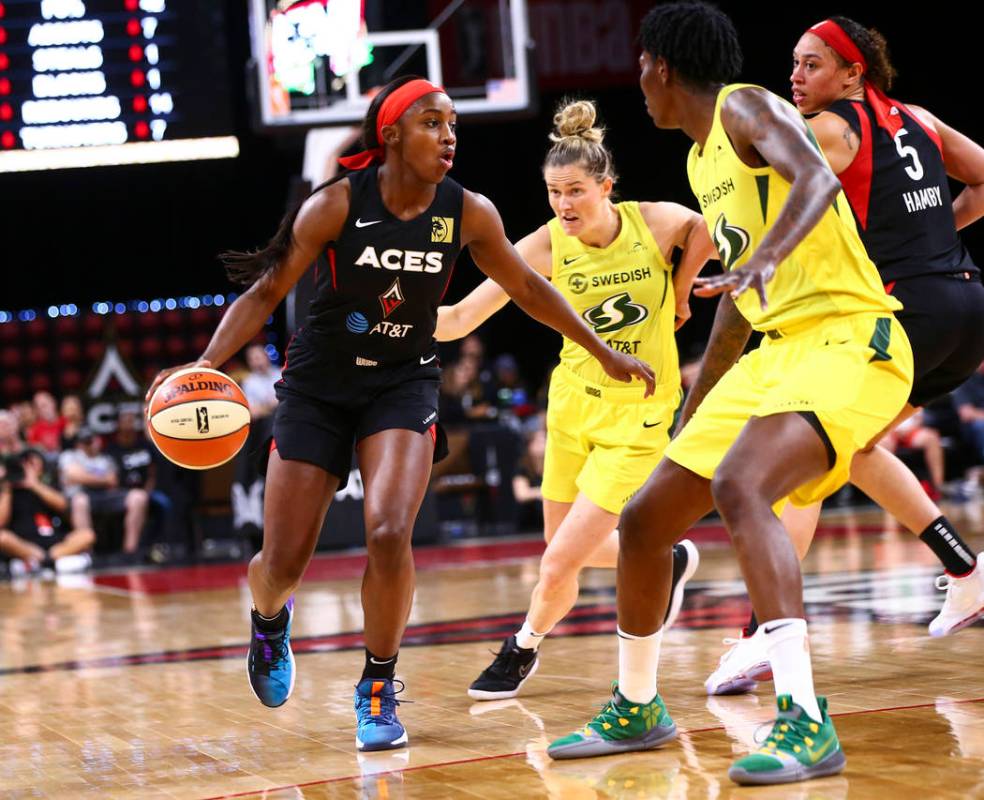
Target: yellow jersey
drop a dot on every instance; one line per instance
(624, 292)
(828, 274)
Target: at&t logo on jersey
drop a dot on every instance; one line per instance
(401, 260)
(356, 322)
(730, 240)
(615, 313)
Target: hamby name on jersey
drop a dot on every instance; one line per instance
(921, 199)
(402, 260)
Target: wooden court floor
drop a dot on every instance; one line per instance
(133, 685)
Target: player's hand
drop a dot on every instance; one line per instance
(163, 374)
(682, 312)
(753, 275)
(622, 367)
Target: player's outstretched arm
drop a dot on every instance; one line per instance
(676, 226)
(482, 232)
(460, 319)
(319, 221)
(964, 161)
(766, 132)
(729, 335)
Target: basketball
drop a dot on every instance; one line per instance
(199, 418)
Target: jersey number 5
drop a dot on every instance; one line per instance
(905, 151)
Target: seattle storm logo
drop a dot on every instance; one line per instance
(615, 313)
(730, 240)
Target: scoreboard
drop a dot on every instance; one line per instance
(98, 82)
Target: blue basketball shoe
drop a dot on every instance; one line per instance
(375, 714)
(270, 663)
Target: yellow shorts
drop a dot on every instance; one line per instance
(854, 373)
(602, 441)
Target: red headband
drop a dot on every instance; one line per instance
(833, 34)
(886, 111)
(396, 102)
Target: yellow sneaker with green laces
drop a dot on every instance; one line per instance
(797, 749)
(621, 726)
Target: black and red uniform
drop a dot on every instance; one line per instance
(899, 192)
(365, 359)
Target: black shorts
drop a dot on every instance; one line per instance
(944, 320)
(356, 402)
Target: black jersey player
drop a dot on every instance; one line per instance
(893, 161)
(363, 369)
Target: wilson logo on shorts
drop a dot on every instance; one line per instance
(730, 240)
(615, 313)
(391, 299)
(442, 229)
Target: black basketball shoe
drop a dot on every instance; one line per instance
(505, 676)
(685, 561)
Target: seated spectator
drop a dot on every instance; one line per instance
(10, 441)
(914, 434)
(969, 400)
(528, 479)
(461, 398)
(512, 397)
(258, 384)
(472, 347)
(92, 484)
(31, 520)
(26, 417)
(73, 418)
(47, 428)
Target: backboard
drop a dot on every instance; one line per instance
(316, 62)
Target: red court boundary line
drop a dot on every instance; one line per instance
(439, 764)
(350, 564)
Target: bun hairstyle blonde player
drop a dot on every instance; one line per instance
(602, 442)
(577, 140)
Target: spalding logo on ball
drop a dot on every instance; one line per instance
(199, 418)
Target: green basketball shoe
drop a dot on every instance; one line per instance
(619, 727)
(797, 749)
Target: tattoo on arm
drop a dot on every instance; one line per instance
(850, 138)
(729, 335)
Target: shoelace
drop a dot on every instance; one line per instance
(274, 650)
(608, 713)
(387, 704)
(790, 732)
(506, 661)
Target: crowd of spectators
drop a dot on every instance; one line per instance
(67, 492)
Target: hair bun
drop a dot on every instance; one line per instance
(577, 118)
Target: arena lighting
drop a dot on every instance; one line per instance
(69, 83)
(45, 34)
(103, 307)
(114, 152)
(41, 112)
(101, 75)
(58, 59)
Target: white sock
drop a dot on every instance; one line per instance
(788, 646)
(527, 638)
(638, 662)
